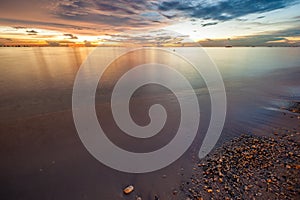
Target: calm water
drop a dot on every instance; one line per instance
(42, 156)
(40, 80)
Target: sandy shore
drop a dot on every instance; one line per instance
(251, 167)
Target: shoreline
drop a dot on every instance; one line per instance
(250, 167)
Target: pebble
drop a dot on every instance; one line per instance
(175, 192)
(268, 167)
(128, 189)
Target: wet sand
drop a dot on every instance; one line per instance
(43, 157)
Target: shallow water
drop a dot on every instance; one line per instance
(43, 157)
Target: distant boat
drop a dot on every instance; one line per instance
(228, 46)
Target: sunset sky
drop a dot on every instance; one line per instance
(148, 22)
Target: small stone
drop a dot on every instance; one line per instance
(175, 192)
(258, 194)
(128, 189)
(290, 188)
(209, 190)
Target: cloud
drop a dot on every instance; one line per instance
(169, 16)
(26, 24)
(106, 15)
(223, 10)
(114, 13)
(70, 36)
(277, 38)
(158, 37)
(7, 39)
(19, 27)
(121, 7)
(32, 32)
(209, 24)
(81, 15)
(71, 8)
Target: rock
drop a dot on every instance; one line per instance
(128, 189)
(175, 192)
(267, 167)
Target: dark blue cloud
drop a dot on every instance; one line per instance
(209, 24)
(223, 10)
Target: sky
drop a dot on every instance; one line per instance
(150, 22)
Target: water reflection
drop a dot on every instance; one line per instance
(46, 74)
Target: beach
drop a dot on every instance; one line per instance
(44, 158)
(251, 166)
